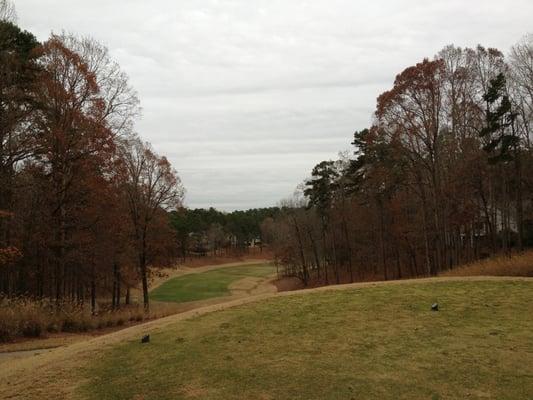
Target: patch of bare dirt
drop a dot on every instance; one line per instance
(251, 286)
(288, 283)
(50, 341)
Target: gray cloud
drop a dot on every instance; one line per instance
(245, 96)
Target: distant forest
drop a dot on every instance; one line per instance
(443, 176)
(203, 232)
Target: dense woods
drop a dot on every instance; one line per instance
(202, 232)
(442, 177)
(84, 202)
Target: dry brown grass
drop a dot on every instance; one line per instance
(23, 317)
(515, 265)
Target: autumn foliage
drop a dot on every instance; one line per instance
(440, 179)
(84, 201)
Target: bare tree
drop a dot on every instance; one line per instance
(120, 100)
(7, 11)
(521, 86)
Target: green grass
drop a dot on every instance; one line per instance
(208, 284)
(371, 343)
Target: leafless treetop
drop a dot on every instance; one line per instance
(7, 11)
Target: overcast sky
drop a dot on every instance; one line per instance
(245, 96)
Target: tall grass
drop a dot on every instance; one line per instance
(23, 317)
(515, 265)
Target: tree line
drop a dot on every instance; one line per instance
(208, 231)
(440, 178)
(84, 201)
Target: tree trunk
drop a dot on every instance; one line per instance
(93, 296)
(382, 237)
(519, 199)
(315, 251)
(347, 238)
(301, 250)
(144, 279)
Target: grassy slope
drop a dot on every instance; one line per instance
(209, 284)
(374, 342)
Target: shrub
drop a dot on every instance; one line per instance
(31, 328)
(20, 317)
(23, 317)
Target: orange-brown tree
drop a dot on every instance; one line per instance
(422, 193)
(150, 186)
(66, 227)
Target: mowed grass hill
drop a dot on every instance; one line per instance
(361, 341)
(209, 284)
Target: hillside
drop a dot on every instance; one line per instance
(361, 341)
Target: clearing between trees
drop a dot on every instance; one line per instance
(370, 340)
(176, 290)
(210, 283)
